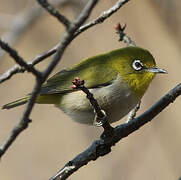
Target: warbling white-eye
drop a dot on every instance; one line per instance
(118, 80)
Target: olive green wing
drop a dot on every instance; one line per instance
(94, 71)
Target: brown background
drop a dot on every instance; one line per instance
(52, 139)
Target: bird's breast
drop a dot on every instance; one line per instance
(115, 99)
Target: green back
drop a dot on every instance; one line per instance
(95, 71)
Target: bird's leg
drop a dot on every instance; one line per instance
(102, 121)
(99, 121)
(133, 112)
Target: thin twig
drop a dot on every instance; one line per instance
(100, 147)
(18, 59)
(9, 73)
(25, 120)
(79, 84)
(100, 115)
(41, 57)
(102, 17)
(68, 36)
(18, 69)
(26, 18)
(123, 36)
(54, 12)
(128, 40)
(66, 39)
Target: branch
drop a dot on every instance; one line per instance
(123, 36)
(24, 19)
(102, 17)
(23, 124)
(18, 59)
(101, 147)
(18, 69)
(100, 117)
(67, 38)
(41, 57)
(54, 12)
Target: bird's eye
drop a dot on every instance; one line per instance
(137, 65)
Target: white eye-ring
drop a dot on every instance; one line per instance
(137, 65)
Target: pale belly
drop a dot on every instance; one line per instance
(116, 100)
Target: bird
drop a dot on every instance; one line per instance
(117, 79)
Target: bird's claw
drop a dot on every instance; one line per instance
(99, 121)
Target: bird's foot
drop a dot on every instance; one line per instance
(108, 129)
(99, 121)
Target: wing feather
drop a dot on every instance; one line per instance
(94, 71)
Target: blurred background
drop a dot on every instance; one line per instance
(52, 139)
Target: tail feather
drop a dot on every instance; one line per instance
(16, 103)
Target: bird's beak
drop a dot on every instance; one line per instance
(157, 70)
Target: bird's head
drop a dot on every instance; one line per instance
(137, 67)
